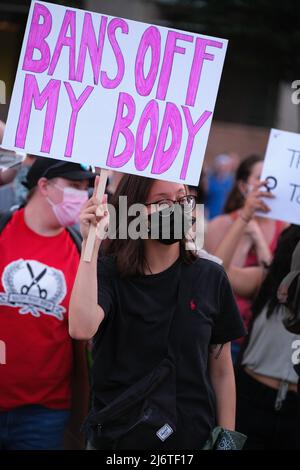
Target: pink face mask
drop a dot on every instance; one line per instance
(67, 212)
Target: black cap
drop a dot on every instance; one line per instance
(50, 168)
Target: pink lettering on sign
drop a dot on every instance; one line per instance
(121, 126)
(76, 104)
(200, 55)
(89, 43)
(49, 95)
(163, 158)
(150, 39)
(193, 129)
(115, 24)
(36, 40)
(69, 23)
(166, 69)
(150, 115)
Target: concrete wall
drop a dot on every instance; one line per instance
(236, 138)
(139, 10)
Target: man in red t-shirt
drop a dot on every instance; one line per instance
(38, 264)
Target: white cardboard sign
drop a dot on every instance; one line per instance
(114, 93)
(282, 171)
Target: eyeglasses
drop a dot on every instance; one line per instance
(188, 203)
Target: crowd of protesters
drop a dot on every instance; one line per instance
(201, 323)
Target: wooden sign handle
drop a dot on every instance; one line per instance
(92, 231)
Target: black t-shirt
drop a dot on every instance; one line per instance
(133, 338)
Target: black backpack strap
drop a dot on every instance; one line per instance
(6, 216)
(288, 294)
(282, 293)
(76, 237)
(4, 219)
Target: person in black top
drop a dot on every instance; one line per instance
(127, 298)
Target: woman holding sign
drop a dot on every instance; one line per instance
(267, 401)
(259, 239)
(162, 321)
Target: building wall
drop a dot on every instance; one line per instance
(236, 138)
(138, 10)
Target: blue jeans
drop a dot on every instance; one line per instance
(32, 427)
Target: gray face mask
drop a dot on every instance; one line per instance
(170, 227)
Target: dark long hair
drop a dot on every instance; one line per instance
(128, 253)
(279, 268)
(235, 199)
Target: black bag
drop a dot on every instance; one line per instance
(144, 416)
(145, 413)
(288, 294)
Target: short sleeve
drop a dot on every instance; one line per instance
(228, 324)
(106, 278)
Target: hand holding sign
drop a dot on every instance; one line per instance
(254, 202)
(94, 219)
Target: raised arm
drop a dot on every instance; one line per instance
(244, 281)
(263, 252)
(228, 245)
(85, 315)
(215, 232)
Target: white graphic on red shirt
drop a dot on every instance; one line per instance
(35, 287)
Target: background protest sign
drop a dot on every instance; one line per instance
(114, 93)
(282, 171)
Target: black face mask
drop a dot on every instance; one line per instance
(170, 227)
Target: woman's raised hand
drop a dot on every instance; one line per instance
(95, 213)
(255, 202)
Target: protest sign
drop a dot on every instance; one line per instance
(114, 93)
(282, 172)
